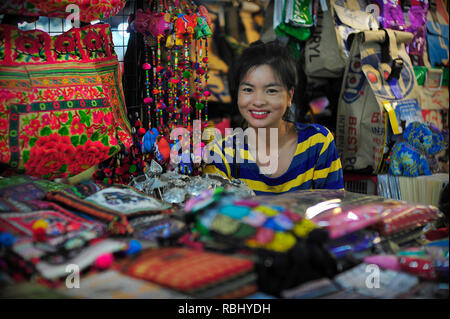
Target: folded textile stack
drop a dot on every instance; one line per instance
(129, 244)
(289, 249)
(196, 273)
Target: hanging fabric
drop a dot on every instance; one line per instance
(89, 10)
(61, 100)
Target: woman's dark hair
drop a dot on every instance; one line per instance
(259, 53)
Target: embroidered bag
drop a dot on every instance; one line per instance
(61, 100)
(89, 10)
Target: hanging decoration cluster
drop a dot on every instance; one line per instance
(175, 34)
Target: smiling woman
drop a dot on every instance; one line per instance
(262, 85)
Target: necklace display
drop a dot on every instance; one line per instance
(175, 76)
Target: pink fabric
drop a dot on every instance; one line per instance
(384, 261)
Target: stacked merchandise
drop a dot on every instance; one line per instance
(324, 244)
(392, 115)
(144, 226)
(112, 233)
(305, 244)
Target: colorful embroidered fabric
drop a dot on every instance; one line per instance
(89, 10)
(192, 272)
(247, 223)
(117, 219)
(61, 100)
(409, 157)
(26, 188)
(21, 224)
(117, 223)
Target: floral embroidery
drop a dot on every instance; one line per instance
(90, 10)
(45, 119)
(108, 118)
(77, 127)
(88, 155)
(30, 47)
(28, 44)
(65, 44)
(50, 157)
(57, 124)
(64, 117)
(92, 41)
(3, 125)
(66, 47)
(54, 122)
(4, 152)
(98, 117)
(93, 44)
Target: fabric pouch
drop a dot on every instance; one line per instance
(61, 101)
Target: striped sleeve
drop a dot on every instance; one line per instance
(328, 169)
(217, 160)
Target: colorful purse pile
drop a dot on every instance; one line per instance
(289, 249)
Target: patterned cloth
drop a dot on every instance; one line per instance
(89, 10)
(118, 223)
(61, 100)
(26, 188)
(194, 272)
(315, 165)
(21, 224)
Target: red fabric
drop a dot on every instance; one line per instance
(89, 10)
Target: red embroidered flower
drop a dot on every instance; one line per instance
(28, 44)
(125, 138)
(46, 119)
(108, 119)
(113, 141)
(77, 127)
(4, 153)
(3, 124)
(35, 124)
(54, 122)
(98, 117)
(92, 41)
(32, 128)
(48, 155)
(5, 96)
(65, 44)
(64, 117)
(28, 130)
(88, 155)
(25, 139)
(90, 131)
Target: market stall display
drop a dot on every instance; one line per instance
(123, 196)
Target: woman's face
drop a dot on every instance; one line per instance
(263, 98)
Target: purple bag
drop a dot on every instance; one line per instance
(418, 27)
(391, 14)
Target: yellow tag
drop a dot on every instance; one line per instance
(392, 117)
(266, 210)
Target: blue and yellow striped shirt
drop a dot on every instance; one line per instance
(316, 164)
